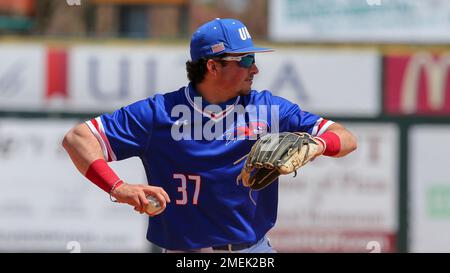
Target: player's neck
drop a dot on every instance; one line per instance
(214, 94)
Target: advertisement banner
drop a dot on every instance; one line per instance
(390, 21)
(327, 82)
(22, 76)
(99, 79)
(109, 78)
(417, 84)
(344, 204)
(47, 206)
(429, 194)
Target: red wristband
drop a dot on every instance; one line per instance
(102, 175)
(332, 143)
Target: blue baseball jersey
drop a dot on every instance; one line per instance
(198, 172)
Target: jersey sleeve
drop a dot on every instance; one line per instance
(126, 132)
(294, 119)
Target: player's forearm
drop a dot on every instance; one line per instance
(82, 147)
(348, 142)
(86, 154)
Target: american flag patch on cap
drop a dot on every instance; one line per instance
(217, 47)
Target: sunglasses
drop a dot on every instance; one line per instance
(245, 61)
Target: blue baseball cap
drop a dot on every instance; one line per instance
(222, 36)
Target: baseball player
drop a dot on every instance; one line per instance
(191, 174)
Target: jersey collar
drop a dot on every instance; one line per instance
(227, 106)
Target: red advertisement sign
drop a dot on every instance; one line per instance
(56, 73)
(417, 84)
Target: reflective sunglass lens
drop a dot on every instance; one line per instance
(247, 61)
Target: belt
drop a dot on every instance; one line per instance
(234, 247)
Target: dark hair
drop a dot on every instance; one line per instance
(196, 71)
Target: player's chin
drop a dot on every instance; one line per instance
(246, 88)
(245, 91)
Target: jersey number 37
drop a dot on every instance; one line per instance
(184, 179)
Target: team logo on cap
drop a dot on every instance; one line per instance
(244, 34)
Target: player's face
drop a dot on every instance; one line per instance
(237, 78)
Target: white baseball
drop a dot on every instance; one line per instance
(153, 206)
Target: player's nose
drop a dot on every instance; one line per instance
(254, 69)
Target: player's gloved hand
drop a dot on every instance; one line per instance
(277, 154)
(136, 196)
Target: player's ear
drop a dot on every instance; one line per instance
(212, 66)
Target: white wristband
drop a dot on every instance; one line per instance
(113, 187)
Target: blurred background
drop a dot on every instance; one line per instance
(380, 67)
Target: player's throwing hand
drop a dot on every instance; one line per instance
(136, 196)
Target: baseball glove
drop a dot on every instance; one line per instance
(275, 154)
